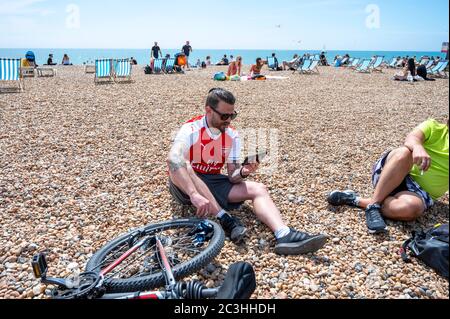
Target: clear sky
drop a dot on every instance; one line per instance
(390, 25)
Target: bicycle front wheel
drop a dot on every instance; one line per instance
(187, 246)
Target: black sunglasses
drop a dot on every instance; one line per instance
(224, 116)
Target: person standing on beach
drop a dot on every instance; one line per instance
(202, 147)
(156, 51)
(407, 180)
(187, 49)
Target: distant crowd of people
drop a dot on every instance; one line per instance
(30, 60)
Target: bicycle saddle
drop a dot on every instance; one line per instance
(239, 283)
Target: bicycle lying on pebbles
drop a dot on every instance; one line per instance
(155, 255)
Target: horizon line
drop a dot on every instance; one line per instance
(222, 49)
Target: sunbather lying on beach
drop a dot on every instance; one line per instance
(200, 150)
(406, 180)
(235, 67)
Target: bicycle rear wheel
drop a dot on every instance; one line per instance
(187, 249)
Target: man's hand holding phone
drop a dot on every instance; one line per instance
(251, 163)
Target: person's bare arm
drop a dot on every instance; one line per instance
(180, 176)
(414, 142)
(234, 172)
(238, 173)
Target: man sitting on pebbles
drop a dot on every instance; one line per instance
(200, 150)
(406, 180)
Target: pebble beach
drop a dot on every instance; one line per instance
(82, 163)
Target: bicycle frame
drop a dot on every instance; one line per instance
(171, 291)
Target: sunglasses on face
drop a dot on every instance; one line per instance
(224, 116)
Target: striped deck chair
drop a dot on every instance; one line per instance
(429, 64)
(393, 63)
(169, 66)
(344, 60)
(312, 69)
(363, 67)
(305, 66)
(104, 71)
(424, 61)
(10, 72)
(376, 66)
(158, 66)
(271, 64)
(316, 57)
(354, 63)
(439, 70)
(122, 70)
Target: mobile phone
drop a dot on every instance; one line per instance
(255, 158)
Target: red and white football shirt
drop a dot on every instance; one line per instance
(208, 152)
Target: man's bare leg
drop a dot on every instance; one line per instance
(264, 207)
(289, 241)
(397, 167)
(405, 206)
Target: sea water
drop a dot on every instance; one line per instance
(82, 56)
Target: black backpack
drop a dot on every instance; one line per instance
(148, 70)
(431, 247)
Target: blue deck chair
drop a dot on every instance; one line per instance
(158, 66)
(355, 62)
(429, 64)
(169, 66)
(104, 72)
(393, 63)
(343, 61)
(10, 72)
(424, 61)
(317, 57)
(439, 70)
(364, 67)
(305, 66)
(271, 64)
(376, 66)
(312, 68)
(122, 70)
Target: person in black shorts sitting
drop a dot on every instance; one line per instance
(202, 147)
(50, 60)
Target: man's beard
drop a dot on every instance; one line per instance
(220, 127)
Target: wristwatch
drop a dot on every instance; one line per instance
(240, 173)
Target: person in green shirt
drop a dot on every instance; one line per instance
(407, 180)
